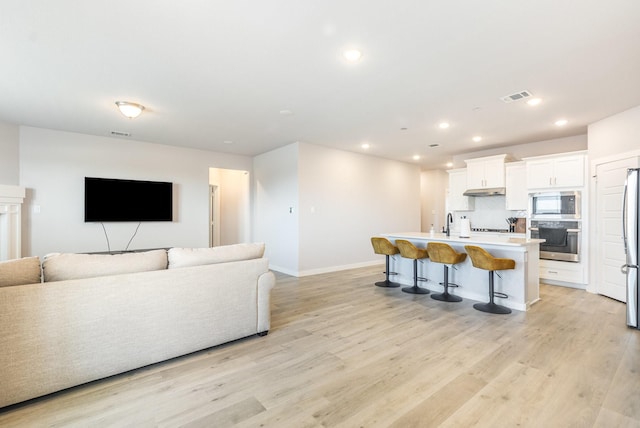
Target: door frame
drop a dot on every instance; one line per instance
(214, 216)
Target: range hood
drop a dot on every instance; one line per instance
(491, 191)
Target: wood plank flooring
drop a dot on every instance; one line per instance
(344, 353)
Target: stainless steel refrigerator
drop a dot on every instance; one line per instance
(630, 226)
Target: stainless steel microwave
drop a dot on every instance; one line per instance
(555, 205)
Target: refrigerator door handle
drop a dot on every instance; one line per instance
(624, 217)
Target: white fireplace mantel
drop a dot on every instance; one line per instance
(11, 200)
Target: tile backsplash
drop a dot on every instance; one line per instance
(489, 213)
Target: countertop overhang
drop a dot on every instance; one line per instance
(474, 239)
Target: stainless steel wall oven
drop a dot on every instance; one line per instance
(562, 239)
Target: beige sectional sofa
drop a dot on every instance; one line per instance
(95, 316)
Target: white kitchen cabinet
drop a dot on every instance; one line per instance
(550, 172)
(566, 272)
(487, 172)
(517, 196)
(457, 186)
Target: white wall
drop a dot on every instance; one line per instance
(616, 134)
(53, 165)
(9, 154)
(275, 214)
(345, 198)
(433, 185)
(614, 138)
(519, 151)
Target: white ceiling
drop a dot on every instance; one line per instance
(210, 72)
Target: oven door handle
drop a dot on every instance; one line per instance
(535, 229)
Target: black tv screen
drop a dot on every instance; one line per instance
(109, 199)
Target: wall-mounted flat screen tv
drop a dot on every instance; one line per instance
(109, 199)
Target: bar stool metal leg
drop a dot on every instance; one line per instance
(445, 296)
(387, 283)
(415, 289)
(492, 307)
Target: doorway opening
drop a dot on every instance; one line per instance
(229, 207)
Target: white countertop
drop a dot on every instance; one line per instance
(479, 238)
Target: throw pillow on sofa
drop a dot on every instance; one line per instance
(185, 257)
(60, 267)
(20, 271)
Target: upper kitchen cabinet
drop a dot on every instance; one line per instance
(555, 171)
(517, 197)
(457, 186)
(485, 173)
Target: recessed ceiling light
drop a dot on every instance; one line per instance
(130, 110)
(365, 146)
(416, 157)
(228, 142)
(477, 138)
(286, 112)
(449, 164)
(534, 101)
(561, 122)
(352, 55)
(443, 125)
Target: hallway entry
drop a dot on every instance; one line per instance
(229, 207)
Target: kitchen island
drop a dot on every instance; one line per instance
(520, 284)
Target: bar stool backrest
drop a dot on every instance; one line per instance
(410, 251)
(383, 246)
(440, 252)
(482, 259)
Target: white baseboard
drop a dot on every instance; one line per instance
(328, 269)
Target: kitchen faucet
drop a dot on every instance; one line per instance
(449, 219)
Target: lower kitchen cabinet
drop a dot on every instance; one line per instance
(566, 272)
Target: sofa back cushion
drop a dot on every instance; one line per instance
(20, 271)
(61, 267)
(185, 257)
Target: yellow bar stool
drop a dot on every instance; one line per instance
(483, 260)
(385, 247)
(440, 252)
(410, 251)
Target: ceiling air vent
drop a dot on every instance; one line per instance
(120, 134)
(516, 97)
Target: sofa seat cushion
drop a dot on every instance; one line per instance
(185, 257)
(61, 267)
(20, 271)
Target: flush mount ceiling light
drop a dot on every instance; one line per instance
(130, 110)
(352, 55)
(561, 122)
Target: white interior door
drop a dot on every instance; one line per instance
(610, 248)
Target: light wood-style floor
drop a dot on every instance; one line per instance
(344, 353)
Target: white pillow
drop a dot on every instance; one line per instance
(20, 271)
(60, 267)
(184, 257)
